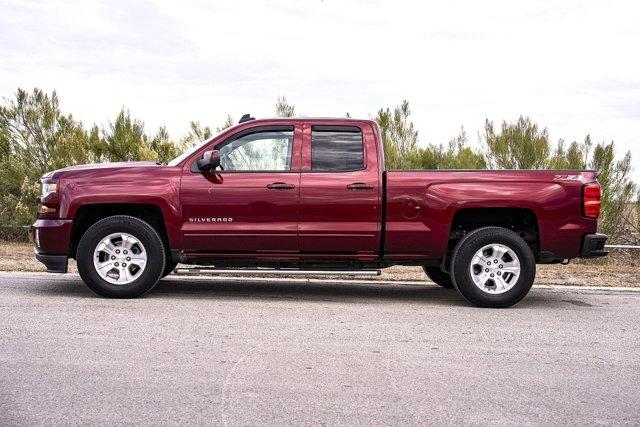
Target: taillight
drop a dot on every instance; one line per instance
(591, 200)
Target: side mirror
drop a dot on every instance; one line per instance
(209, 162)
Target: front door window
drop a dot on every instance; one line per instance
(261, 151)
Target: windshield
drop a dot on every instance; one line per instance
(190, 151)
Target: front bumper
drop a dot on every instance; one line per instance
(54, 263)
(51, 238)
(593, 245)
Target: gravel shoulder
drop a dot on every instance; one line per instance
(19, 257)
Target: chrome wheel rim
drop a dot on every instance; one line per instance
(120, 258)
(495, 268)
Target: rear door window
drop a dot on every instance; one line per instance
(336, 148)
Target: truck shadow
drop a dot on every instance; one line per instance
(305, 291)
(317, 291)
(296, 289)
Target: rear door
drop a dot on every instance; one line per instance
(340, 190)
(252, 204)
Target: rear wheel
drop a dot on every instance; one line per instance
(120, 257)
(439, 277)
(493, 267)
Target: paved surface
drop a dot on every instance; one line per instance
(234, 352)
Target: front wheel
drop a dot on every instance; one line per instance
(120, 257)
(493, 267)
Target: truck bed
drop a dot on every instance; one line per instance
(420, 207)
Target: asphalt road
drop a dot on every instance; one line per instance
(232, 352)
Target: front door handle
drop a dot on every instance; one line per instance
(280, 186)
(359, 186)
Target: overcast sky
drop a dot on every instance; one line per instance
(571, 66)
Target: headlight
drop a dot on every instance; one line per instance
(48, 188)
(48, 200)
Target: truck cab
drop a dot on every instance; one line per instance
(285, 189)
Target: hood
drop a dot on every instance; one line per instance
(100, 167)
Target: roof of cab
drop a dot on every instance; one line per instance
(305, 119)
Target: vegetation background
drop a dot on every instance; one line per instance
(37, 137)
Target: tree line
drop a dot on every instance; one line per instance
(36, 136)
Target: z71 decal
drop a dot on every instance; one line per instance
(566, 178)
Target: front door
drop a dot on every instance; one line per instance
(251, 203)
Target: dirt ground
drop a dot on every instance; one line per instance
(19, 257)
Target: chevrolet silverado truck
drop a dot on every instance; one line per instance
(299, 195)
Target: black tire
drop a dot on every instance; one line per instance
(461, 265)
(439, 277)
(139, 229)
(169, 266)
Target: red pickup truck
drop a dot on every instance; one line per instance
(295, 195)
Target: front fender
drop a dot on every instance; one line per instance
(122, 188)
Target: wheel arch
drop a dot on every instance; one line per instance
(522, 221)
(87, 215)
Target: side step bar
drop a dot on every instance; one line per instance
(282, 272)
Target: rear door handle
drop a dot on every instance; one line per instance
(359, 186)
(280, 186)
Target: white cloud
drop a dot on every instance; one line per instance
(571, 66)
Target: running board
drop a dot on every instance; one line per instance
(282, 272)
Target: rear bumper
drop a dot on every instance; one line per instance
(593, 245)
